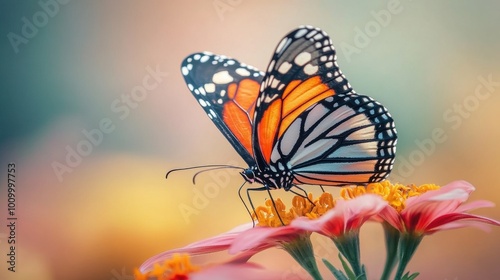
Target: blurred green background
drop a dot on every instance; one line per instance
(94, 111)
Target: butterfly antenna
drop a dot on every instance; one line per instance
(201, 166)
(213, 168)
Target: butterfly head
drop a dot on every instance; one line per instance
(270, 179)
(249, 175)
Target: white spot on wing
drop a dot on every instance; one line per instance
(271, 65)
(284, 67)
(310, 69)
(282, 44)
(222, 77)
(300, 33)
(212, 114)
(275, 83)
(204, 58)
(268, 99)
(318, 36)
(311, 34)
(302, 58)
(209, 87)
(242, 72)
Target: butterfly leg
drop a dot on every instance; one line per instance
(264, 188)
(304, 195)
(244, 203)
(274, 204)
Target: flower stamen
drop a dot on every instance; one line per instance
(395, 194)
(301, 207)
(177, 268)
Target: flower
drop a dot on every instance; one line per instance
(342, 224)
(407, 213)
(416, 211)
(339, 220)
(347, 216)
(179, 267)
(270, 231)
(275, 228)
(439, 209)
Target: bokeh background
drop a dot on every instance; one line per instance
(111, 208)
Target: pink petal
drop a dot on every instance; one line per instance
(474, 205)
(418, 216)
(462, 224)
(263, 237)
(346, 216)
(438, 210)
(457, 191)
(392, 217)
(422, 210)
(464, 218)
(214, 244)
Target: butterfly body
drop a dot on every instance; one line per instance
(298, 123)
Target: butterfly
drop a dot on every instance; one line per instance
(298, 123)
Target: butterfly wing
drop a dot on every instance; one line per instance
(340, 140)
(309, 120)
(227, 90)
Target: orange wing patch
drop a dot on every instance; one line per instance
(267, 128)
(238, 111)
(298, 96)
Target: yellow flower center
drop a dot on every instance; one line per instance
(177, 268)
(269, 215)
(394, 194)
